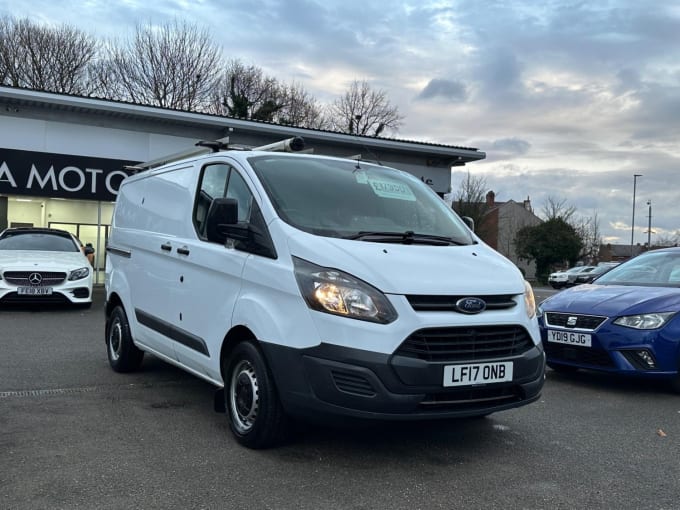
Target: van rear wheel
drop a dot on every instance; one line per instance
(124, 356)
(256, 416)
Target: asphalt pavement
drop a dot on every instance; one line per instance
(76, 435)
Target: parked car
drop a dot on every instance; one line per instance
(627, 322)
(592, 275)
(43, 265)
(561, 279)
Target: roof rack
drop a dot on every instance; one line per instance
(294, 144)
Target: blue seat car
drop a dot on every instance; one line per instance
(625, 322)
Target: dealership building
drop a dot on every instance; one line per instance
(63, 157)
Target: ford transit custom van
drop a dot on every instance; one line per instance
(311, 286)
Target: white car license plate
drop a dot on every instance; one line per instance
(34, 291)
(477, 373)
(569, 338)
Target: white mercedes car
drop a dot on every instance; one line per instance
(43, 265)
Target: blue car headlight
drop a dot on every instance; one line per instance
(644, 320)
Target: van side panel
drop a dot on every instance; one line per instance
(150, 220)
(167, 205)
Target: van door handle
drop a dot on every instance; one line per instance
(166, 247)
(183, 250)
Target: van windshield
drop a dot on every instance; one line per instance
(351, 200)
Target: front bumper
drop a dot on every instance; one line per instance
(68, 292)
(330, 380)
(616, 349)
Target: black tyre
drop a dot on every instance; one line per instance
(562, 369)
(256, 416)
(675, 384)
(124, 356)
(675, 381)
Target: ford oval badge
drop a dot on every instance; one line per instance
(470, 305)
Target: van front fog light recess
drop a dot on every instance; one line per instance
(336, 292)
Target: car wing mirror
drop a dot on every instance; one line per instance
(222, 214)
(469, 222)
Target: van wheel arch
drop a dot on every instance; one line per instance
(233, 338)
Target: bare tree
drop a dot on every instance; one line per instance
(672, 239)
(588, 230)
(364, 111)
(175, 65)
(45, 58)
(557, 208)
(246, 92)
(301, 109)
(470, 200)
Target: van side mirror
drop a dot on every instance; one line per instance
(469, 222)
(222, 213)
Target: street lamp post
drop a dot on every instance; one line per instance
(649, 225)
(632, 223)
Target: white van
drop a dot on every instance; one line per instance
(302, 285)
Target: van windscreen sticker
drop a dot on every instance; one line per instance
(390, 189)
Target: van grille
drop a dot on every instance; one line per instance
(466, 343)
(471, 398)
(448, 303)
(21, 278)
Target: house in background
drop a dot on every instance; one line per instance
(619, 252)
(502, 221)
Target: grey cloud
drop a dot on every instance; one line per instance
(444, 89)
(499, 72)
(511, 146)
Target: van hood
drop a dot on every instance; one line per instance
(413, 268)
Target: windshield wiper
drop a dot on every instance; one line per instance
(408, 237)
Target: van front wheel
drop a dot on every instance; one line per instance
(256, 416)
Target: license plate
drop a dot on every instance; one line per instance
(34, 291)
(569, 338)
(477, 373)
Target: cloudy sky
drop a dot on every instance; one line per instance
(569, 99)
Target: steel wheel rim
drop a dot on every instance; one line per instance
(115, 340)
(244, 396)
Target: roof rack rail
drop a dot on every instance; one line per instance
(203, 147)
(295, 144)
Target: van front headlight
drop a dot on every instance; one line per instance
(529, 300)
(336, 292)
